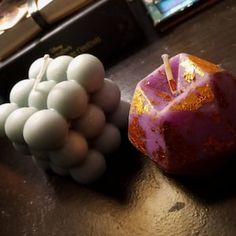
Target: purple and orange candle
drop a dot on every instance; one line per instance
(183, 115)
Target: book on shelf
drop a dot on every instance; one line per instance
(33, 18)
(106, 29)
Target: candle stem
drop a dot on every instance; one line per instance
(171, 82)
(42, 71)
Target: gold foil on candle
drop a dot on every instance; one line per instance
(190, 76)
(139, 104)
(194, 65)
(137, 135)
(204, 65)
(191, 67)
(195, 99)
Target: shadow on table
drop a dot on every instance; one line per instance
(123, 168)
(215, 188)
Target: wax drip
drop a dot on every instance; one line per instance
(171, 81)
(42, 71)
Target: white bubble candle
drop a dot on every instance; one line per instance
(66, 115)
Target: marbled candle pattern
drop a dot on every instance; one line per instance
(192, 132)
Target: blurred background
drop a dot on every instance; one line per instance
(108, 29)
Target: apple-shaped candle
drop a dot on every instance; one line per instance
(66, 115)
(183, 115)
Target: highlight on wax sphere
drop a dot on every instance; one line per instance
(88, 71)
(5, 110)
(15, 123)
(68, 98)
(45, 129)
(20, 92)
(58, 67)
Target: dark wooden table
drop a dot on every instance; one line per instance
(134, 197)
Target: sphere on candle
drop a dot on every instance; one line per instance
(38, 96)
(88, 71)
(120, 116)
(22, 148)
(68, 98)
(41, 163)
(36, 67)
(109, 139)
(72, 153)
(90, 169)
(108, 97)
(91, 123)
(58, 67)
(45, 129)
(15, 123)
(5, 110)
(20, 92)
(59, 170)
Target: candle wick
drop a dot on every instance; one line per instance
(171, 81)
(41, 71)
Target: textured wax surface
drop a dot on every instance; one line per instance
(187, 133)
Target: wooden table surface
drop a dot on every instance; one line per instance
(134, 197)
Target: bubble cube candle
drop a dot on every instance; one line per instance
(183, 116)
(66, 115)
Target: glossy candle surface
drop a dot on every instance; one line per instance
(190, 132)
